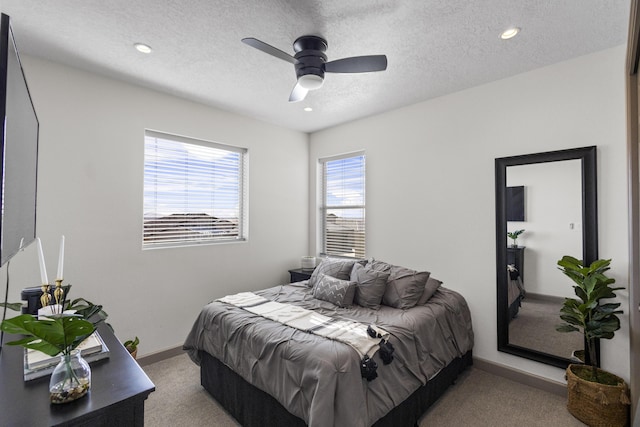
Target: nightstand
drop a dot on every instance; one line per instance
(299, 274)
(515, 256)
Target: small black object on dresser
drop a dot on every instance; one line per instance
(32, 297)
(299, 274)
(515, 256)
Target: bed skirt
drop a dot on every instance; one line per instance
(251, 406)
(514, 308)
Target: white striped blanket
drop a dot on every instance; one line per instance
(346, 331)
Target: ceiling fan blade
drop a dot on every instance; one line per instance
(357, 64)
(267, 48)
(298, 93)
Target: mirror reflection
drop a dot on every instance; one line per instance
(544, 200)
(546, 207)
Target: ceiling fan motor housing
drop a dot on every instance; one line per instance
(311, 58)
(310, 63)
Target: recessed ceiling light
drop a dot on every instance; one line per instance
(510, 33)
(141, 47)
(308, 109)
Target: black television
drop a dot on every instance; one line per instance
(18, 150)
(515, 203)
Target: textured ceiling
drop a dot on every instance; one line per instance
(434, 47)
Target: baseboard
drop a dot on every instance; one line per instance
(521, 377)
(545, 298)
(160, 356)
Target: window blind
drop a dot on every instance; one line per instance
(343, 209)
(194, 191)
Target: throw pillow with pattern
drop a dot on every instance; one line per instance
(336, 291)
(334, 267)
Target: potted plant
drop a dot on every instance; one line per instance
(595, 396)
(132, 346)
(513, 235)
(60, 334)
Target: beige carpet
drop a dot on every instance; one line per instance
(535, 327)
(477, 399)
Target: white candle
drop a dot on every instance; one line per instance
(61, 260)
(43, 268)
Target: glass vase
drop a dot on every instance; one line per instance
(71, 378)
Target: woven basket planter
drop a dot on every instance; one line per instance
(597, 405)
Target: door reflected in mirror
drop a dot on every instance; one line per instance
(552, 197)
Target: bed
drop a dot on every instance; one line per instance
(264, 372)
(515, 291)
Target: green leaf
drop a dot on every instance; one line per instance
(570, 263)
(571, 310)
(35, 344)
(580, 293)
(574, 320)
(15, 306)
(600, 264)
(59, 333)
(608, 308)
(566, 328)
(612, 324)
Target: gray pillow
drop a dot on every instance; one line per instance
(429, 289)
(334, 267)
(335, 291)
(376, 265)
(404, 287)
(370, 286)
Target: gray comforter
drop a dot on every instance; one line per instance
(318, 379)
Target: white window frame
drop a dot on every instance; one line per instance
(153, 182)
(325, 207)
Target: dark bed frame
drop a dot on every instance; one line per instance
(252, 407)
(514, 308)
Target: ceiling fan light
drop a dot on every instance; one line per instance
(143, 48)
(509, 33)
(310, 81)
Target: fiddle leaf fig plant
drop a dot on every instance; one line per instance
(588, 314)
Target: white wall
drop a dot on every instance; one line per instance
(430, 191)
(430, 179)
(90, 189)
(553, 204)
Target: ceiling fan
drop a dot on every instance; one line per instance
(311, 63)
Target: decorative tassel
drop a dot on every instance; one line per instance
(624, 399)
(386, 351)
(368, 369)
(601, 398)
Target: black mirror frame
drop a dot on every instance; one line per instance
(587, 156)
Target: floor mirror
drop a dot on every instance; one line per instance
(552, 196)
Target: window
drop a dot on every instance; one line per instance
(343, 210)
(194, 192)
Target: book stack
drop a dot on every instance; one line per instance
(38, 364)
